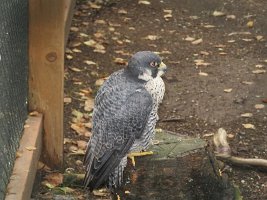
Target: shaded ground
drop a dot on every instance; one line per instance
(200, 98)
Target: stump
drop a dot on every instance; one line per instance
(179, 169)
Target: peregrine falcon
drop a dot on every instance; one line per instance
(124, 118)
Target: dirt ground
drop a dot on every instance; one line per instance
(216, 52)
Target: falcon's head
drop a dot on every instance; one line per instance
(146, 65)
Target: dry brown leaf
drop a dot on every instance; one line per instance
(79, 128)
(231, 17)
(198, 41)
(259, 66)
(189, 39)
(89, 105)
(247, 82)
(228, 90)
(74, 29)
(248, 126)
(259, 71)
(30, 148)
(205, 53)
(75, 69)
(26, 126)
(100, 193)
(209, 26)
(69, 57)
(120, 61)
(90, 43)
(218, 13)
(100, 21)
(34, 113)
(76, 50)
(67, 100)
(167, 16)
(247, 39)
(239, 33)
(122, 11)
(94, 6)
(259, 106)
(83, 35)
(246, 115)
(259, 37)
(100, 82)
(144, 2)
(74, 44)
(54, 179)
(231, 41)
(203, 73)
(99, 51)
(200, 62)
(89, 62)
(88, 125)
(81, 144)
(151, 37)
(99, 35)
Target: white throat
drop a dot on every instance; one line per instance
(146, 76)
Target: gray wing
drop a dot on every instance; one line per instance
(116, 124)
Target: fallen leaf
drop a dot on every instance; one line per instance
(81, 144)
(26, 126)
(259, 37)
(76, 50)
(209, 26)
(259, 66)
(230, 135)
(248, 126)
(54, 179)
(100, 82)
(250, 24)
(90, 43)
(122, 11)
(246, 115)
(264, 100)
(89, 62)
(89, 105)
(94, 6)
(34, 113)
(198, 41)
(74, 29)
(203, 74)
(67, 100)
(67, 140)
(100, 21)
(127, 192)
(247, 39)
(75, 44)
(231, 41)
(99, 51)
(69, 57)
(259, 71)
(79, 128)
(167, 16)
(231, 17)
(189, 39)
(83, 35)
(75, 69)
(19, 154)
(167, 11)
(204, 53)
(79, 162)
(30, 148)
(144, 2)
(151, 37)
(120, 61)
(200, 62)
(259, 106)
(218, 13)
(228, 90)
(247, 82)
(239, 33)
(100, 193)
(99, 35)
(73, 148)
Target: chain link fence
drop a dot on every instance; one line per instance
(13, 82)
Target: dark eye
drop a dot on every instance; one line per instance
(153, 64)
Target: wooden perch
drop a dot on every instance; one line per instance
(223, 152)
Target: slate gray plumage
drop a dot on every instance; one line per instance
(124, 118)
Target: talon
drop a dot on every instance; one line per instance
(137, 154)
(118, 197)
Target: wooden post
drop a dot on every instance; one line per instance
(47, 28)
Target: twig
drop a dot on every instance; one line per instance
(223, 152)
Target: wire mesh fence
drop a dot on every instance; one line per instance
(13, 82)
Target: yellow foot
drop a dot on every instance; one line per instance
(135, 154)
(118, 197)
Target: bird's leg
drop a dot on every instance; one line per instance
(135, 154)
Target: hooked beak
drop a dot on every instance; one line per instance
(162, 68)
